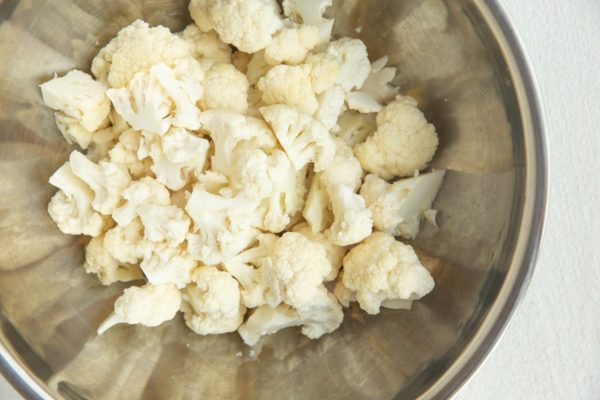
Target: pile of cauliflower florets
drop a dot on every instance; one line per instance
(225, 166)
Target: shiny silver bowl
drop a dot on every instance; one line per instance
(463, 62)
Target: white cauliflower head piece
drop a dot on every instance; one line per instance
(164, 223)
(291, 85)
(335, 253)
(99, 261)
(147, 305)
(381, 268)
(310, 12)
(398, 208)
(165, 264)
(291, 44)
(376, 90)
(72, 130)
(206, 44)
(303, 138)
(331, 105)
(345, 168)
(225, 88)
(71, 207)
(212, 303)
(352, 219)
(316, 208)
(145, 191)
(403, 143)
(125, 152)
(78, 96)
(126, 243)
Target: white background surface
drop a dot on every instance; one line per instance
(551, 350)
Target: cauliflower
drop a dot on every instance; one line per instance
(107, 180)
(148, 305)
(303, 138)
(212, 181)
(381, 268)
(376, 89)
(246, 269)
(323, 315)
(291, 85)
(292, 44)
(206, 44)
(295, 271)
(137, 48)
(398, 208)
(335, 253)
(164, 223)
(344, 170)
(80, 97)
(316, 208)
(212, 304)
(355, 128)
(126, 243)
(167, 264)
(257, 67)
(222, 226)
(331, 104)
(72, 130)
(250, 174)
(99, 261)
(246, 24)
(310, 12)
(71, 207)
(403, 143)
(225, 88)
(353, 221)
(143, 192)
(324, 71)
(125, 151)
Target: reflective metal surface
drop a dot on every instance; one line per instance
(463, 63)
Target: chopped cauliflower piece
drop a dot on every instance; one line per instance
(137, 48)
(99, 261)
(303, 138)
(212, 304)
(107, 180)
(246, 24)
(72, 130)
(324, 71)
(403, 143)
(147, 305)
(310, 12)
(206, 44)
(362, 102)
(335, 253)
(164, 223)
(353, 221)
(344, 170)
(78, 96)
(398, 208)
(316, 208)
(351, 55)
(126, 243)
(143, 192)
(292, 44)
(225, 88)
(125, 152)
(250, 174)
(291, 85)
(376, 90)
(166, 264)
(331, 104)
(381, 268)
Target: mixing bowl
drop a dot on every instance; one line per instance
(462, 61)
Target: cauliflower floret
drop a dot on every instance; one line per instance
(376, 90)
(250, 172)
(353, 221)
(291, 85)
(257, 67)
(310, 12)
(164, 223)
(381, 268)
(398, 208)
(291, 44)
(143, 103)
(325, 71)
(303, 138)
(355, 128)
(351, 55)
(323, 315)
(99, 261)
(222, 226)
(126, 243)
(345, 168)
(206, 44)
(246, 24)
(335, 253)
(125, 153)
(287, 198)
(107, 180)
(212, 304)
(137, 48)
(182, 155)
(295, 271)
(212, 181)
(80, 97)
(167, 264)
(225, 88)
(403, 143)
(72, 130)
(331, 104)
(316, 208)
(245, 268)
(147, 305)
(145, 191)
(71, 207)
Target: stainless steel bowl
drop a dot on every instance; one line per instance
(460, 58)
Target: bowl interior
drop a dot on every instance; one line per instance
(447, 58)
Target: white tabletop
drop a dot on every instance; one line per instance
(551, 350)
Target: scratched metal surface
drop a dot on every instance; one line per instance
(447, 58)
